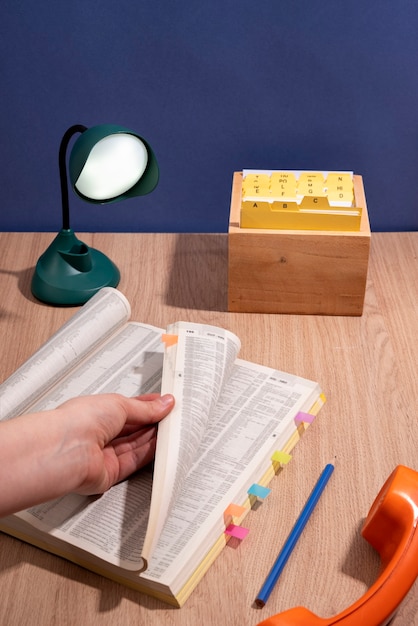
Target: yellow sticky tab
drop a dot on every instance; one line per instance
(169, 340)
(281, 457)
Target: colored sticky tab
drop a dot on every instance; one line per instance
(281, 457)
(304, 417)
(258, 491)
(239, 532)
(169, 340)
(234, 510)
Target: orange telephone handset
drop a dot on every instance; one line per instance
(391, 528)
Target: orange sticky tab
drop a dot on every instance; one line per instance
(169, 340)
(234, 510)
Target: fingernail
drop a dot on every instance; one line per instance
(167, 400)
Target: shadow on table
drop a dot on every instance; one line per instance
(199, 273)
(24, 279)
(361, 561)
(59, 575)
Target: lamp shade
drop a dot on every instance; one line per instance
(109, 163)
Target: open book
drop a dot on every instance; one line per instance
(159, 531)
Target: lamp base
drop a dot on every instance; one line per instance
(70, 273)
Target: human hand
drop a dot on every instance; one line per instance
(117, 435)
(85, 446)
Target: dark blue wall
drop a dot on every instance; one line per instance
(215, 87)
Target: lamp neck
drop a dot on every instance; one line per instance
(62, 158)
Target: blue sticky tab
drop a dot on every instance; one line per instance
(259, 491)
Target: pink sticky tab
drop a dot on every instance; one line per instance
(239, 532)
(307, 418)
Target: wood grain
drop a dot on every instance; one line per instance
(367, 367)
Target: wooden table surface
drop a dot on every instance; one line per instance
(368, 369)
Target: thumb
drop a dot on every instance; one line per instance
(149, 409)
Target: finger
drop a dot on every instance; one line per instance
(144, 412)
(148, 396)
(132, 440)
(136, 458)
(130, 429)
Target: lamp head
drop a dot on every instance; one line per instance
(107, 163)
(110, 163)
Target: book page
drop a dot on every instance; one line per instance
(95, 321)
(196, 366)
(253, 418)
(112, 526)
(129, 362)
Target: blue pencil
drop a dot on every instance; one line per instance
(295, 533)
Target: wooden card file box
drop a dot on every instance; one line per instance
(295, 271)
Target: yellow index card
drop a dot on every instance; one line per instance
(283, 186)
(256, 185)
(256, 205)
(257, 180)
(314, 203)
(340, 189)
(311, 184)
(299, 200)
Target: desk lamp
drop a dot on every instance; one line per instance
(107, 163)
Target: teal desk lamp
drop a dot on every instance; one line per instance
(107, 163)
